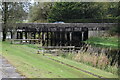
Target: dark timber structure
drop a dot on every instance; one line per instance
(54, 34)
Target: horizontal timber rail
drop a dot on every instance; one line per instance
(58, 47)
(24, 40)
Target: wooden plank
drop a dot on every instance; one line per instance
(24, 39)
(57, 47)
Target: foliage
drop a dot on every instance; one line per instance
(63, 11)
(100, 61)
(113, 10)
(114, 30)
(12, 12)
(83, 65)
(15, 11)
(111, 20)
(39, 11)
(73, 11)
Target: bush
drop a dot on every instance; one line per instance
(114, 30)
(100, 61)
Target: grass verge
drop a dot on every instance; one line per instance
(108, 42)
(32, 65)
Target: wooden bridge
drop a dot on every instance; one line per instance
(56, 34)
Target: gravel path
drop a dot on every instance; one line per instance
(7, 70)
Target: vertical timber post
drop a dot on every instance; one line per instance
(47, 38)
(51, 36)
(11, 34)
(17, 35)
(42, 38)
(26, 35)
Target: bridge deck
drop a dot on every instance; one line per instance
(61, 26)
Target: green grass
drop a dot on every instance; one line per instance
(35, 46)
(33, 65)
(103, 41)
(85, 67)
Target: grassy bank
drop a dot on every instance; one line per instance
(107, 61)
(111, 42)
(33, 65)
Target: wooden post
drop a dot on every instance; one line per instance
(70, 38)
(11, 34)
(73, 38)
(44, 38)
(34, 37)
(43, 43)
(51, 38)
(55, 40)
(21, 35)
(17, 35)
(58, 39)
(85, 34)
(30, 36)
(80, 38)
(26, 35)
(39, 37)
(63, 39)
(47, 38)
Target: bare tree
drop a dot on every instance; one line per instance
(12, 12)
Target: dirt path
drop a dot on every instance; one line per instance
(7, 70)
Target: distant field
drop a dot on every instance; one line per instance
(33, 65)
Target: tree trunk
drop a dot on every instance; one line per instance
(4, 35)
(5, 16)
